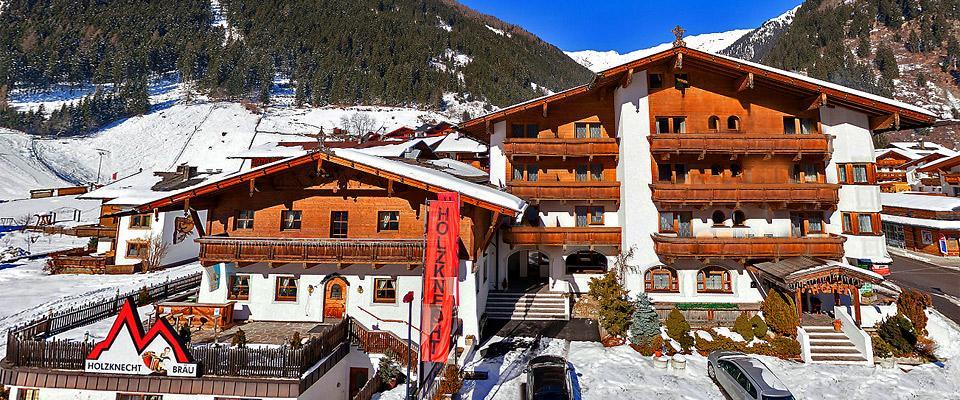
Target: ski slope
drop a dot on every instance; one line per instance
(20, 169)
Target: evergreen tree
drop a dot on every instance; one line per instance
(615, 307)
(137, 99)
(646, 323)
(886, 63)
(780, 313)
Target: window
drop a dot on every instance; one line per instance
(388, 221)
(656, 81)
(518, 172)
(803, 224)
(660, 279)
(580, 130)
(739, 218)
(805, 173)
(861, 223)
(815, 223)
(926, 237)
(581, 216)
(794, 125)
(714, 279)
(681, 170)
(679, 125)
(524, 131)
(239, 287)
(680, 81)
(807, 126)
(736, 170)
(244, 220)
(663, 125)
(290, 219)
(847, 223)
(594, 130)
(664, 173)
(716, 170)
(596, 215)
(287, 288)
(532, 173)
(733, 123)
(28, 394)
(865, 222)
(336, 292)
(676, 222)
(790, 125)
(516, 130)
(385, 290)
(533, 130)
(137, 249)
(140, 221)
(596, 172)
(130, 396)
(859, 174)
(581, 173)
(713, 123)
(586, 262)
(841, 174)
(667, 222)
(718, 218)
(338, 224)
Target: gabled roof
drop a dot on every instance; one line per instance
(906, 154)
(887, 111)
(920, 201)
(942, 164)
(922, 148)
(441, 178)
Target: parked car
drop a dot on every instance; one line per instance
(548, 378)
(744, 377)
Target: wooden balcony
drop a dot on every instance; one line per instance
(739, 143)
(561, 147)
(792, 193)
(95, 231)
(830, 247)
(891, 176)
(552, 190)
(952, 178)
(565, 236)
(317, 251)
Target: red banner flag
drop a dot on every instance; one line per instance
(440, 277)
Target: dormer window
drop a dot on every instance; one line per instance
(733, 123)
(713, 123)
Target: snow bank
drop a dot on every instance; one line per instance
(62, 206)
(505, 371)
(946, 334)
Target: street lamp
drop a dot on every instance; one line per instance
(408, 298)
(101, 152)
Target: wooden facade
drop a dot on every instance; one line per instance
(818, 195)
(740, 143)
(562, 236)
(539, 190)
(830, 247)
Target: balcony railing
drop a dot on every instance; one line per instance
(552, 190)
(739, 143)
(891, 176)
(795, 193)
(375, 251)
(952, 178)
(561, 147)
(559, 236)
(749, 247)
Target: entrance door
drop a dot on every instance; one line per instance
(335, 298)
(358, 378)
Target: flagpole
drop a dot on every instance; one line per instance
(408, 298)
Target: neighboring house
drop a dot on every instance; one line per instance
(891, 173)
(926, 223)
(941, 176)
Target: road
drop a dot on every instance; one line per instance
(942, 283)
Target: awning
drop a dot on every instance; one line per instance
(801, 272)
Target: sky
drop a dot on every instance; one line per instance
(627, 25)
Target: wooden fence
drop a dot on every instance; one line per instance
(370, 388)
(381, 342)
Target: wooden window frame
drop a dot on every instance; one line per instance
(22, 393)
(576, 130)
(592, 215)
(736, 122)
(672, 124)
(595, 172)
(581, 210)
(673, 281)
(298, 221)
(590, 126)
(376, 291)
(854, 226)
(143, 244)
(142, 218)
(514, 131)
(845, 173)
(243, 223)
(924, 233)
(725, 280)
(715, 120)
(390, 223)
(138, 396)
(733, 219)
(337, 224)
(676, 223)
(286, 298)
(805, 218)
(581, 173)
(232, 283)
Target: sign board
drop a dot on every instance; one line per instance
(943, 245)
(128, 350)
(441, 265)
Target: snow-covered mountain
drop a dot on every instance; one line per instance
(711, 42)
(755, 44)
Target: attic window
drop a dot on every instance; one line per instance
(656, 81)
(680, 81)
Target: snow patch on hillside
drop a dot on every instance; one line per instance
(598, 61)
(498, 31)
(162, 90)
(443, 24)
(757, 42)
(220, 20)
(20, 169)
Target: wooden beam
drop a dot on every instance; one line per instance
(494, 222)
(389, 188)
(678, 62)
(888, 121)
(745, 82)
(815, 102)
(253, 186)
(627, 78)
(545, 106)
(197, 223)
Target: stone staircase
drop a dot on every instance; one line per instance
(527, 306)
(830, 347)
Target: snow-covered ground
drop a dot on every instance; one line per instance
(598, 61)
(600, 373)
(20, 169)
(63, 207)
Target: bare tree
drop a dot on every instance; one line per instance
(623, 265)
(356, 126)
(157, 249)
(23, 221)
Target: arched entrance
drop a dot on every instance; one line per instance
(586, 262)
(335, 298)
(527, 269)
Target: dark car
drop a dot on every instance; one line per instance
(548, 378)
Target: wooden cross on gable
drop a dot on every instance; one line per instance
(678, 32)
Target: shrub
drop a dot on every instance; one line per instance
(759, 327)
(718, 342)
(296, 341)
(239, 339)
(898, 332)
(785, 347)
(646, 323)
(388, 369)
(925, 348)
(912, 304)
(780, 313)
(615, 307)
(881, 348)
(657, 343)
(143, 296)
(679, 329)
(743, 326)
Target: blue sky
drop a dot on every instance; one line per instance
(627, 25)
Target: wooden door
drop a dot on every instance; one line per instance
(335, 298)
(358, 378)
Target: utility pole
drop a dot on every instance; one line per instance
(101, 152)
(408, 298)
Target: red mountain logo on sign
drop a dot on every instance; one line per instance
(128, 350)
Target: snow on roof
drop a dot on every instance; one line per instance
(458, 143)
(834, 86)
(434, 177)
(397, 150)
(835, 264)
(929, 223)
(927, 148)
(906, 153)
(137, 188)
(458, 168)
(270, 150)
(946, 162)
(920, 201)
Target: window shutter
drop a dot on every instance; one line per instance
(876, 223)
(872, 173)
(854, 224)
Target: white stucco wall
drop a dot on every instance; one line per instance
(556, 213)
(498, 161)
(162, 225)
(739, 283)
(74, 394)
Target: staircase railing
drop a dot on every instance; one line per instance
(860, 338)
(382, 342)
